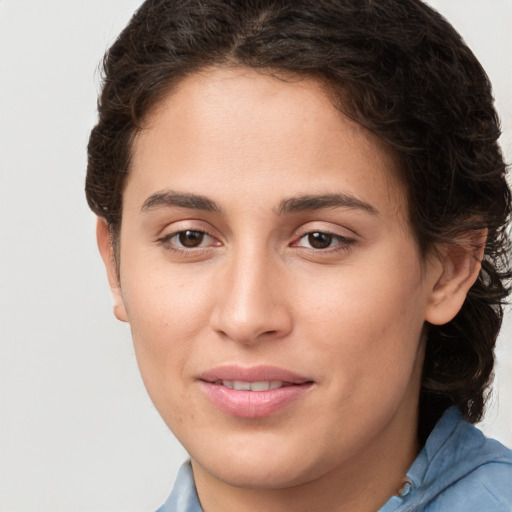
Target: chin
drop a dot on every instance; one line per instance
(260, 476)
(273, 467)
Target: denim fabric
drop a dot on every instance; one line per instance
(183, 497)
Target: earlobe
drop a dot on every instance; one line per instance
(107, 254)
(461, 264)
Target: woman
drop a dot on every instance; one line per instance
(302, 211)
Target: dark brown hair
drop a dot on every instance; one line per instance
(399, 69)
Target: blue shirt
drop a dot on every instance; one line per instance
(458, 470)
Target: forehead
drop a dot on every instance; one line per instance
(269, 106)
(241, 127)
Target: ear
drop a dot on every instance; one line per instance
(461, 264)
(107, 254)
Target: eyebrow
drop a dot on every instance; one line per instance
(318, 202)
(297, 204)
(171, 198)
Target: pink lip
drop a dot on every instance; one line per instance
(252, 404)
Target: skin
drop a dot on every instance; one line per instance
(349, 316)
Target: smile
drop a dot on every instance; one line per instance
(240, 385)
(254, 392)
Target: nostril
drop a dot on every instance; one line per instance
(250, 323)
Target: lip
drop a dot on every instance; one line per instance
(253, 404)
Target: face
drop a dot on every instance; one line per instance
(271, 280)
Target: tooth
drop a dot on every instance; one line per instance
(260, 386)
(240, 385)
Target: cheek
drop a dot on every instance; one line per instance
(366, 325)
(163, 301)
(167, 315)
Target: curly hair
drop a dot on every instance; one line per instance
(395, 66)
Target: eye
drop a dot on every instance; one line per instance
(188, 239)
(323, 240)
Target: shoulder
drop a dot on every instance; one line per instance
(487, 488)
(478, 469)
(461, 470)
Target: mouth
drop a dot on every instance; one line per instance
(253, 392)
(240, 385)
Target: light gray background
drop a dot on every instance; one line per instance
(78, 432)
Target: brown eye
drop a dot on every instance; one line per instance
(320, 240)
(189, 242)
(190, 238)
(324, 241)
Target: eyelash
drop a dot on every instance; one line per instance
(342, 243)
(166, 241)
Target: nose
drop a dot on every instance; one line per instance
(251, 300)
